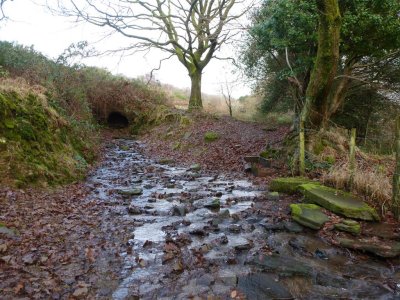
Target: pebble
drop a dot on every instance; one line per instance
(235, 228)
(134, 210)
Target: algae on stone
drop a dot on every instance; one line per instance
(288, 185)
(309, 215)
(338, 202)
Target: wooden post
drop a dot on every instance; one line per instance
(396, 175)
(302, 157)
(352, 158)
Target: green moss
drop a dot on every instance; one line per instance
(330, 159)
(271, 153)
(318, 147)
(338, 202)
(185, 121)
(39, 146)
(351, 228)
(288, 185)
(176, 146)
(9, 123)
(211, 136)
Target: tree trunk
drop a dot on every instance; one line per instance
(396, 175)
(195, 101)
(325, 67)
(339, 92)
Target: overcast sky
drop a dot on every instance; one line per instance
(31, 24)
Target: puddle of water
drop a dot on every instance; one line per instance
(153, 231)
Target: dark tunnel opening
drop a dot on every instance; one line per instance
(117, 120)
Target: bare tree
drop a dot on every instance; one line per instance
(227, 93)
(191, 30)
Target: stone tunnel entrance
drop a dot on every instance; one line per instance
(117, 120)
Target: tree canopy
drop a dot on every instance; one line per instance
(282, 44)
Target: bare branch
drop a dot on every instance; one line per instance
(290, 67)
(2, 13)
(158, 68)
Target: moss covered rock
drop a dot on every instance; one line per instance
(309, 215)
(338, 202)
(214, 203)
(211, 136)
(288, 185)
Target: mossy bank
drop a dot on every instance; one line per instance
(39, 144)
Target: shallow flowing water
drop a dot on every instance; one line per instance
(182, 245)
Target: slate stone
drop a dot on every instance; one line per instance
(131, 192)
(387, 249)
(262, 286)
(281, 265)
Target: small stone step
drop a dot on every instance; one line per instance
(350, 226)
(309, 215)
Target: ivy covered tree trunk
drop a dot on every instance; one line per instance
(316, 107)
(195, 101)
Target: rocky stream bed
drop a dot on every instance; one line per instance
(196, 235)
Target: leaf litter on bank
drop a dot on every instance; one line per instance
(59, 237)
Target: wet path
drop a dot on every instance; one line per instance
(194, 235)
